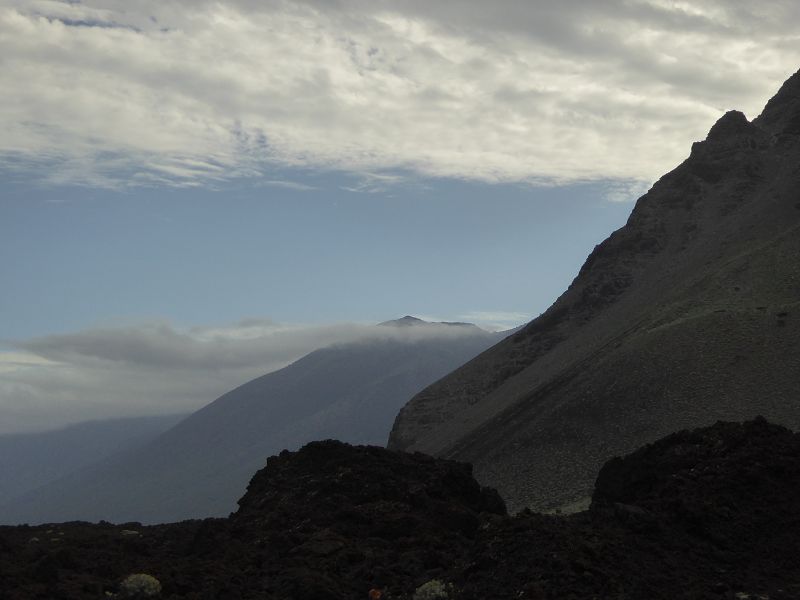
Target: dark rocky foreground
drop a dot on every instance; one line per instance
(712, 513)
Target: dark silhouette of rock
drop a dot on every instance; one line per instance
(709, 513)
(369, 516)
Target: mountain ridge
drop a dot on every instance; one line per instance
(702, 275)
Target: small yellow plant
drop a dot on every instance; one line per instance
(433, 590)
(139, 586)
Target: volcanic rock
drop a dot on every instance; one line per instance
(329, 521)
(708, 513)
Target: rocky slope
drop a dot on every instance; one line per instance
(710, 513)
(200, 467)
(688, 314)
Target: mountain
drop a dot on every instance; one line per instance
(708, 513)
(30, 460)
(686, 315)
(199, 468)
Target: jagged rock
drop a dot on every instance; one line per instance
(781, 116)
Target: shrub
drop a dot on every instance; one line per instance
(432, 590)
(139, 585)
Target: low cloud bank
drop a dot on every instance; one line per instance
(157, 368)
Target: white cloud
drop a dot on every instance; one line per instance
(489, 320)
(156, 368)
(289, 185)
(13, 361)
(496, 320)
(626, 190)
(111, 93)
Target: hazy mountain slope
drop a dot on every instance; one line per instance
(201, 467)
(29, 460)
(687, 314)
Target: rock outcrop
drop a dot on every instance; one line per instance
(709, 513)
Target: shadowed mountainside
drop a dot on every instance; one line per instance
(688, 314)
(201, 466)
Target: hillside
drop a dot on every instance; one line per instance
(200, 467)
(687, 314)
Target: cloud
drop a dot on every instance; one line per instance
(12, 361)
(625, 191)
(107, 93)
(156, 368)
(260, 344)
(374, 183)
(496, 320)
(289, 185)
(488, 320)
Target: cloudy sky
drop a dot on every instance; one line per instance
(193, 193)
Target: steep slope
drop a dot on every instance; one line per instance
(200, 467)
(687, 314)
(30, 460)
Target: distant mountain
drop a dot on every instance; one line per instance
(688, 314)
(200, 467)
(30, 460)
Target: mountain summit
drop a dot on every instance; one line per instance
(409, 321)
(686, 315)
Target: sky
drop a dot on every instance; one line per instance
(195, 193)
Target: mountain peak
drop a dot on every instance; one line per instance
(407, 321)
(728, 125)
(781, 115)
